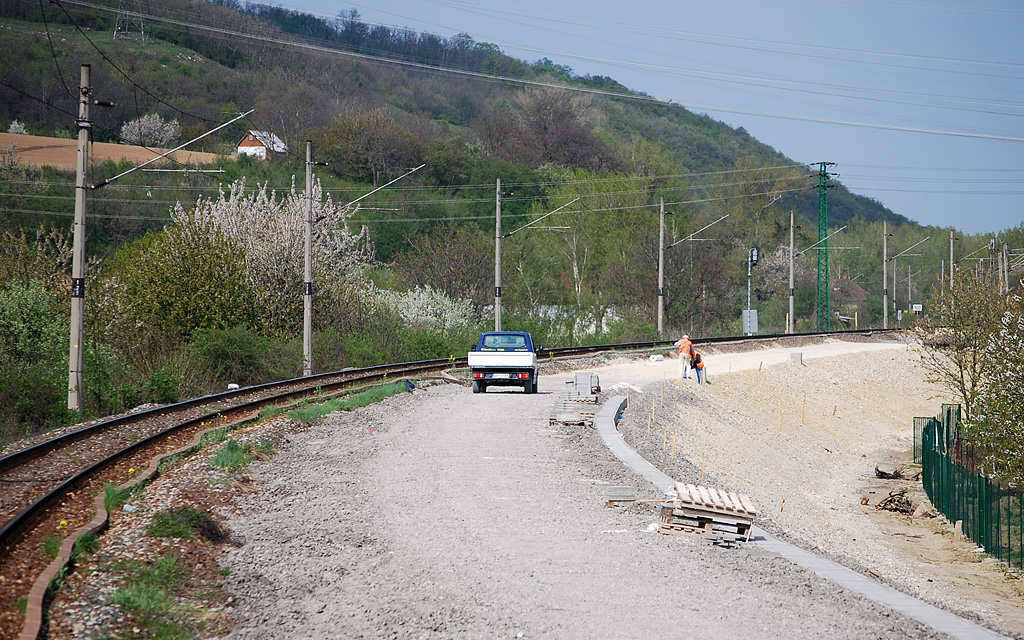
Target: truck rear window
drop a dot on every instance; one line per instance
(505, 342)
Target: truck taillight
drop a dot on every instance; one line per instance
(478, 374)
(522, 376)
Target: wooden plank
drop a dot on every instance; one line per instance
(619, 493)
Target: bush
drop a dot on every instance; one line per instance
(620, 331)
(231, 355)
(33, 400)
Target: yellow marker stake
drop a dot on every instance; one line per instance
(760, 366)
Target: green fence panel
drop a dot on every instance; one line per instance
(990, 514)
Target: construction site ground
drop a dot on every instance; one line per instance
(803, 441)
(447, 514)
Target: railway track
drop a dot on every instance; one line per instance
(50, 486)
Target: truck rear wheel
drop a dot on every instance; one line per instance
(479, 387)
(528, 387)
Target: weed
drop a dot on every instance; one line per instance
(182, 522)
(143, 599)
(114, 497)
(214, 436)
(312, 413)
(269, 412)
(51, 546)
(87, 544)
(231, 456)
(21, 604)
(149, 588)
(262, 450)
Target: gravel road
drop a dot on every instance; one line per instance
(446, 514)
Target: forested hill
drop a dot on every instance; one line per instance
(325, 79)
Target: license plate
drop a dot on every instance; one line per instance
(502, 376)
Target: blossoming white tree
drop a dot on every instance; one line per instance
(151, 130)
(428, 308)
(270, 229)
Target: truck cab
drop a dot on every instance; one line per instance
(504, 358)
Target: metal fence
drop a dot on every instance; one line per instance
(992, 515)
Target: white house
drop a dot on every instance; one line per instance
(261, 144)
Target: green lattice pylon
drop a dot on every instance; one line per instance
(824, 287)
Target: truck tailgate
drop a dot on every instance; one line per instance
(489, 359)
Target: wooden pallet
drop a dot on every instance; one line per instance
(699, 510)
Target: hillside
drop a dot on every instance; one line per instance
(188, 73)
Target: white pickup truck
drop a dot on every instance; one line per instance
(504, 358)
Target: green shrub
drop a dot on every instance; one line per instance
(428, 344)
(235, 355)
(183, 522)
(232, 456)
(32, 400)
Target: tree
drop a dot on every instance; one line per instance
(269, 231)
(368, 145)
(455, 259)
(151, 130)
(956, 335)
(190, 276)
(996, 427)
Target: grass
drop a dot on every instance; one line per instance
(269, 412)
(113, 497)
(183, 522)
(212, 437)
(149, 592)
(313, 412)
(51, 546)
(232, 456)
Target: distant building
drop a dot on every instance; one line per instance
(262, 144)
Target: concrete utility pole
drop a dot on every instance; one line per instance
(885, 283)
(497, 257)
(791, 325)
(307, 293)
(78, 250)
(661, 270)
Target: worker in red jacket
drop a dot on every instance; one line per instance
(685, 353)
(697, 362)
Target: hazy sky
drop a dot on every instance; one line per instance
(919, 103)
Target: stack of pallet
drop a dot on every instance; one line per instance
(701, 510)
(578, 406)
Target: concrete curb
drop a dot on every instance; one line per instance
(927, 614)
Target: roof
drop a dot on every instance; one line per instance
(269, 140)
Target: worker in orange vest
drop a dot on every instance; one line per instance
(685, 353)
(697, 362)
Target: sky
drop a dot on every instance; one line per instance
(919, 103)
